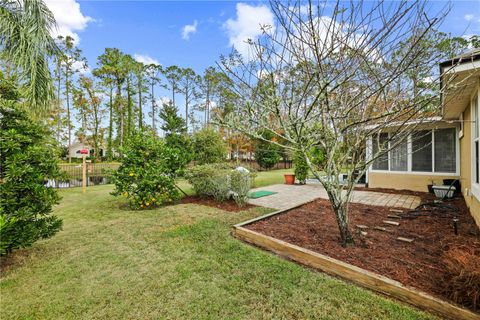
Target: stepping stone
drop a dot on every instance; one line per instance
(405, 239)
(393, 216)
(361, 226)
(363, 233)
(396, 210)
(393, 223)
(380, 228)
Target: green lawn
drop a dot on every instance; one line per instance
(176, 262)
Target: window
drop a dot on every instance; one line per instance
(422, 151)
(445, 153)
(399, 156)
(380, 144)
(476, 141)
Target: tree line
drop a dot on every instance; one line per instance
(114, 100)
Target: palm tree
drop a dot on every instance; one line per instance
(26, 44)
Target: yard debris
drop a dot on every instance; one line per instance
(361, 226)
(405, 239)
(438, 208)
(393, 223)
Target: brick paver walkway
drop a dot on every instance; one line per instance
(292, 195)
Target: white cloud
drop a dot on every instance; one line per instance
(69, 17)
(469, 17)
(145, 59)
(81, 67)
(189, 29)
(247, 25)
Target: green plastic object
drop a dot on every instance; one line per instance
(259, 194)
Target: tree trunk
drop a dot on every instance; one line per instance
(67, 96)
(110, 127)
(121, 114)
(340, 208)
(153, 111)
(140, 111)
(129, 110)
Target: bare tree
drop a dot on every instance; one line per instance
(324, 80)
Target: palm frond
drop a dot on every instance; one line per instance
(26, 41)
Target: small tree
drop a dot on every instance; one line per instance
(28, 160)
(145, 176)
(209, 147)
(331, 78)
(176, 137)
(267, 154)
(301, 167)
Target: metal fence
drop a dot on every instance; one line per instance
(97, 174)
(283, 164)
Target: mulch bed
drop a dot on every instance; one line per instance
(418, 264)
(228, 205)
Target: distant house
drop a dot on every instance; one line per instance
(74, 150)
(446, 147)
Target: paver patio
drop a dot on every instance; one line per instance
(288, 196)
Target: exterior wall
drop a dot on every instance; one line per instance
(403, 181)
(466, 164)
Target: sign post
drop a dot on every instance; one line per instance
(84, 153)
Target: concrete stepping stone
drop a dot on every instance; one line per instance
(394, 216)
(361, 226)
(405, 239)
(396, 210)
(390, 222)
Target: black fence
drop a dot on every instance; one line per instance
(97, 174)
(283, 164)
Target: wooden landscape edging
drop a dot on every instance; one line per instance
(350, 272)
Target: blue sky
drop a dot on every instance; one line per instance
(155, 30)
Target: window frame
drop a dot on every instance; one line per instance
(475, 116)
(409, 157)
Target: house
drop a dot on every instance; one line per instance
(446, 147)
(74, 150)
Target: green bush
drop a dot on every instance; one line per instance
(301, 167)
(267, 153)
(220, 181)
(209, 147)
(28, 159)
(240, 182)
(146, 176)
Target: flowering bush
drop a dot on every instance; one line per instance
(146, 176)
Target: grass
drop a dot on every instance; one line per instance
(176, 262)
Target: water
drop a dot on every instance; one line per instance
(71, 183)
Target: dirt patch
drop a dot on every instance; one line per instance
(419, 264)
(229, 205)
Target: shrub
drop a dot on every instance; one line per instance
(240, 186)
(301, 167)
(209, 147)
(462, 284)
(146, 176)
(28, 159)
(219, 181)
(267, 154)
